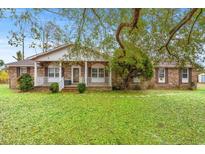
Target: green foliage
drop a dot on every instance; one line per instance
(19, 56)
(132, 62)
(81, 87)
(135, 117)
(1, 62)
(25, 82)
(193, 86)
(54, 87)
(3, 77)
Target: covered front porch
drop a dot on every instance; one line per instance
(69, 74)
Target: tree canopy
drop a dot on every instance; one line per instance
(169, 34)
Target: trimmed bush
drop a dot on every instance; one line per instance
(81, 87)
(192, 86)
(25, 82)
(54, 87)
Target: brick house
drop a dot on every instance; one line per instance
(51, 66)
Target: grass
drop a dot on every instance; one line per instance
(135, 117)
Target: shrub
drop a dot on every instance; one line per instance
(116, 87)
(81, 87)
(192, 86)
(54, 87)
(25, 82)
(131, 62)
(3, 77)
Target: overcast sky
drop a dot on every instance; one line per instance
(6, 25)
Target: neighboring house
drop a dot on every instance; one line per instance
(201, 78)
(52, 66)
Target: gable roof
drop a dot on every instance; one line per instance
(49, 51)
(62, 53)
(26, 62)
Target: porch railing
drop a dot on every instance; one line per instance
(45, 81)
(98, 81)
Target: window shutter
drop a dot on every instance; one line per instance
(180, 75)
(17, 71)
(106, 72)
(190, 75)
(166, 75)
(62, 71)
(156, 75)
(46, 71)
(89, 71)
(28, 70)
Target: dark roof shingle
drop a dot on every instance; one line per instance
(25, 62)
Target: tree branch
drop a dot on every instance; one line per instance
(187, 17)
(132, 25)
(189, 37)
(81, 25)
(98, 17)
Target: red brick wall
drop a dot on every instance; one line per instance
(12, 71)
(173, 80)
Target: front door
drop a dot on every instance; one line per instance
(75, 75)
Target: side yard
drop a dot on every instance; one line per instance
(135, 117)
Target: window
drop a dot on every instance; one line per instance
(98, 72)
(185, 75)
(101, 72)
(161, 75)
(203, 78)
(94, 72)
(23, 70)
(56, 72)
(53, 72)
(136, 80)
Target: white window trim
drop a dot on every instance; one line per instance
(98, 72)
(54, 72)
(98, 78)
(203, 78)
(23, 70)
(76, 66)
(185, 80)
(164, 78)
(136, 80)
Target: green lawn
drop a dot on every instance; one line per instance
(136, 117)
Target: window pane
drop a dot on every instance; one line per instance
(23, 70)
(184, 73)
(101, 72)
(94, 72)
(184, 76)
(56, 72)
(51, 72)
(161, 73)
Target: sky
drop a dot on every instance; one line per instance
(6, 25)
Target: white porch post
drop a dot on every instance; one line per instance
(86, 73)
(35, 74)
(60, 71)
(110, 77)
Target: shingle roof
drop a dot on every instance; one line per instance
(25, 62)
(170, 64)
(50, 51)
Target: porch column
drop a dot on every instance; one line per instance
(60, 71)
(86, 73)
(110, 77)
(35, 74)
